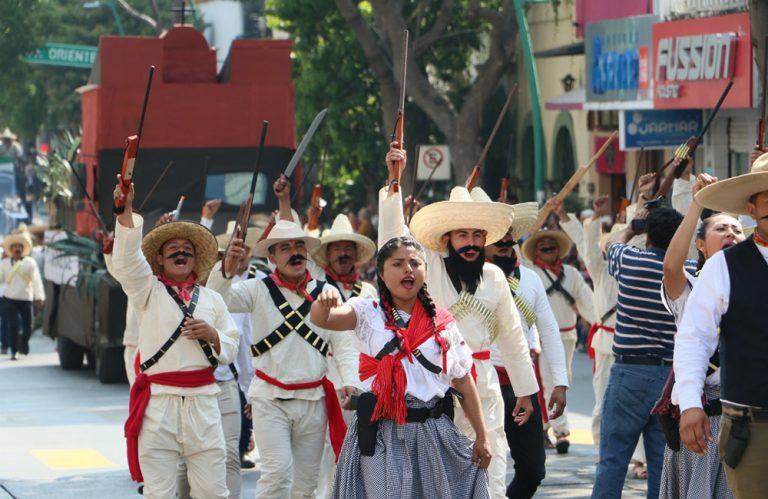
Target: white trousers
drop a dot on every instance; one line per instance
(493, 411)
(129, 357)
(290, 435)
(187, 428)
(559, 425)
(328, 463)
(229, 407)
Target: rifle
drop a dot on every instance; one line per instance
(474, 176)
(132, 150)
(296, 157)
(761, 123)
(685, 151)
(503, 190)
(154, 186)
(91, 204)
(177, 212)
(397, 135)
(570, 185)
(317, 191)
(244, 212)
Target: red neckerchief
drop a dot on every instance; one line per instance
(348, 281)
(183, 287)
(555, 267)
(300, 288)
(759, 240)
(389, 376)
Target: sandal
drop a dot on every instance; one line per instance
(639, 471)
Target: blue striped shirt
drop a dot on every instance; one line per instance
(643, 325)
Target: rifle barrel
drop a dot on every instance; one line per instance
(144, 106)
(496, 126)
(262, 141)
(403, 71)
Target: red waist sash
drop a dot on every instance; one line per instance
(336, 425)
(481, 355)
(139, 400)
(594, 329)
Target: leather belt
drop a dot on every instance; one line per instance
(753, 413)
(642, 360)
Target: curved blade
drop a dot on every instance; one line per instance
(304, 142)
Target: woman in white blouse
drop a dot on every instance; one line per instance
(684, 473)
(403, 442)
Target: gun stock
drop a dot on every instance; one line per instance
(314, 214)
(503, 190)
(474, 176)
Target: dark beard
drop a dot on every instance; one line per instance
(463, 272)
(505, 263)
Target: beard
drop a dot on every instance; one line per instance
(506, 263)
(464, 273)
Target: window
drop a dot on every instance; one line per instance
(233, 188)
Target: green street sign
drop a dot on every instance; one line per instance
(63, 54)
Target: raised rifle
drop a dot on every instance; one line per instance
(132, 150)
(503, 190)
(761, 123)
(397, 135)
(474, 176)
(314, 204)
(175, 214)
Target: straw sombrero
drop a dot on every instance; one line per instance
(206, 248)
(254, 233)
(526, 215)
(563, 242)
(18, 238)
(284, 230)
(461, 211)
(342, 230)
(732, 194)
(7, 134)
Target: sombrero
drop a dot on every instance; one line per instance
(206, 248)
(18, 238)
(342, 230)
(7, 134)
(284, 230)
(732, 194)
(563, 242)
(462, 211)
(526, 215)
(254, 233)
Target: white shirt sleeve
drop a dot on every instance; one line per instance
(206, 222)
(575, 232)
(130, 267)
(391, 221)
(696, 338)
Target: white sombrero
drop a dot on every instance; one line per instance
(254, 233)
(284, 230)
(732, 194)
(462, 211)
(342, 230)
(526, 215)
(21, 238)
(206, 248)
(563, 242)
(7, 134)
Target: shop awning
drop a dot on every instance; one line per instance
(573, 99)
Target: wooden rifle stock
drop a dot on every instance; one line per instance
(314, 215)
(400, 123)
(504, 189)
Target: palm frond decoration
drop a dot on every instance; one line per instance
(92, 270)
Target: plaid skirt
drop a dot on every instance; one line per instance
(685, 475)
(415, 460)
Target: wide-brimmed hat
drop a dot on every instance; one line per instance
(526, 215)
(462, 211)
(251, 238)
(206, 248)
(563, 242)
(7, 134)
(342, 230)
(18, 238)
(732, 194)
(284, 230)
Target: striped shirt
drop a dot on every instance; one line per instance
(643, 324)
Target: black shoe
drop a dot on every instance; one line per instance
(141, 489)
(562, 445)
(246, 463)
(14, 356)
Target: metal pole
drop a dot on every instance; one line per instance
(118, 22)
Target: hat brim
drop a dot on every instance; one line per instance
(365, 247)
(254, 233)
(206, 248)
(261, 249)
(564, 243)
(12, 239)
(430, 223)
(526, 215)
(732, 195)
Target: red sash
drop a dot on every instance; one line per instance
(590, 336)
(503, 376)
(336, 425)
(139, 400)
(388, 373)
(481, 355)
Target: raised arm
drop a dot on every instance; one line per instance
(391, 219)
(328, 313)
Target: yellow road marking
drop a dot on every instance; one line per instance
(70, 459)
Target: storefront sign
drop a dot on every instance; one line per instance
(618, 59)
(612, 160)
(695, 58)
(657, 129)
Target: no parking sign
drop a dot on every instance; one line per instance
(434, 158)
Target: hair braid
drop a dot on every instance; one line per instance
(385, 300)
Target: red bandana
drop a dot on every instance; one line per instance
(182, 287)
(348, 281)
(555, 267)
(300, 288)
(759, 240)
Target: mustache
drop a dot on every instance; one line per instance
(296, 259)
(179, 253)
(344, 258)
(465, 249)
(505, 244)
(548, 249)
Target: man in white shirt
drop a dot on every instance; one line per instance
(728, 298)
(24, 291)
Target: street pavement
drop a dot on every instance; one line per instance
(61, 435)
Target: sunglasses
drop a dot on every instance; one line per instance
(548, 249)
(504, 244)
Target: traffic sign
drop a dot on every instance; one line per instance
(63, 54)
(437, 158)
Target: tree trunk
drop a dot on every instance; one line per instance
(758, 17)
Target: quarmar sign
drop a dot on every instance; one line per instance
(62, 54)
(619, 59)
(657, 129)
(695, 58)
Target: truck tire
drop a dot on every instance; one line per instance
(70, 354)
(110, 367)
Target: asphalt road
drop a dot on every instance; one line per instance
(61, 434)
